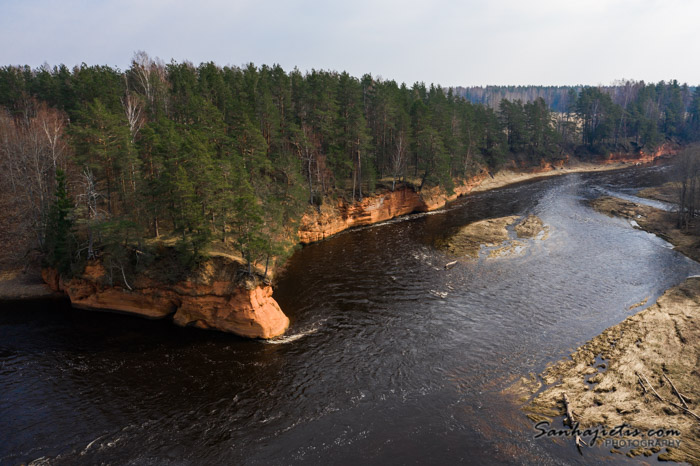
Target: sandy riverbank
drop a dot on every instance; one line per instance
(507, 177)
(609, 380)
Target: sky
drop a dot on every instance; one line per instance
(451, 43)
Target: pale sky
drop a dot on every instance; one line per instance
(452, 43)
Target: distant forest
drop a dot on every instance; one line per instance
(558, 98)
(126, 166)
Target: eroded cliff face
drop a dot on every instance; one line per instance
(244, 309)
(341, 215)
(663, 150)
(333, 218)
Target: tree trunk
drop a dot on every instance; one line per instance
(311, 188)
(359, 168)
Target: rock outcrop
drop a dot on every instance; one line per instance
(663, 150)
(531, 227)
(469, 239)
(341, 215)
(246, 309)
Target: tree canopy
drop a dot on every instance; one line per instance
(200, 155)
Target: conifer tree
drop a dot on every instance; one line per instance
(58, 242)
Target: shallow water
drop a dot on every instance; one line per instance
(389, 359)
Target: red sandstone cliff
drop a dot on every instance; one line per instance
(341, 215)
(643, 157)
(338, 216)
(204, 302)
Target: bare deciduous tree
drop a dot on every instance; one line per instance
(398, 157)
(89, 197)
(688, 171)
(150, 79)
(32, 148)
(133, 109)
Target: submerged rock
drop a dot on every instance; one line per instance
(509, 248)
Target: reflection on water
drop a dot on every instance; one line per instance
(390, 358)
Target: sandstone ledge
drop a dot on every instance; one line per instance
(248, 311)
(341, 215)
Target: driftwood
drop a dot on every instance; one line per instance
(680, 396)
(449, 265)
(639, 379)
(569, 414)
(656, 394)
(674, 404)
(571, 421)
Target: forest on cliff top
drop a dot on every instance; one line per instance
(124, 166)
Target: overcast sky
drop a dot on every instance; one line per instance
(469, 42)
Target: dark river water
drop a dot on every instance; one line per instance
(390, 359)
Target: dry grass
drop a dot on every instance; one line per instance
(493, 233)
(659, 340)
(656, 221)
(668, 192)
(469, 239)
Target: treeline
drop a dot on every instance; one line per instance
(560, 99)
(115, 164)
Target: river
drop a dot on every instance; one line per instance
(390, 358)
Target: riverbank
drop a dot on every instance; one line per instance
(632, 373)
(316, 225)
(20, 285)
(667, 192)
(659, 222)
(18, 282)
(340, 215)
